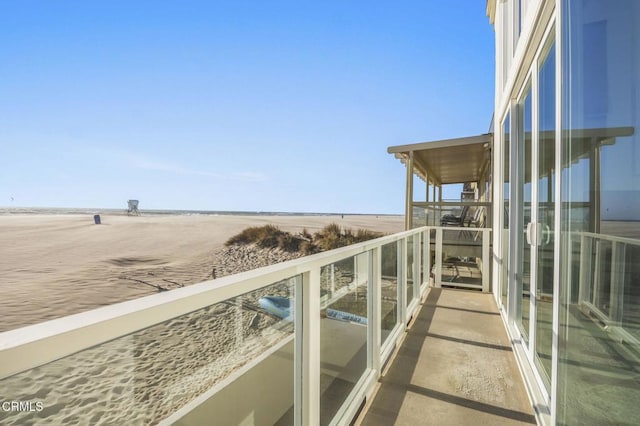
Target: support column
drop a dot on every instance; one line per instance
(408, 217)
(426, 184)
(429, 211)
(439, 205)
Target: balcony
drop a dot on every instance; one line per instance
(302, 342)
(454, 367)
(462, 161)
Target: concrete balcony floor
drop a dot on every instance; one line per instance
(455, 367)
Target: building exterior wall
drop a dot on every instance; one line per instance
(566, 161)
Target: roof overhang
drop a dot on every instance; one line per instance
(448, 161)
(491, 11)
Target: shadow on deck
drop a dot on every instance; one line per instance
(455, 366)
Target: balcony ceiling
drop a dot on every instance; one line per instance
(461, 160)
(448, 161)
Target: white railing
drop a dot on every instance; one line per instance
(603, 275)
(462, 257)
(437, 213)
(106, 360)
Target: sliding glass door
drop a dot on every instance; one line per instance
(533, 178)
(542, 288)
(506, 161)
(522, 210)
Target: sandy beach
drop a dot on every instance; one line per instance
(57, 265)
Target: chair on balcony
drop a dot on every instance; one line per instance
(474, 219)
(478, 218)
(453, 220)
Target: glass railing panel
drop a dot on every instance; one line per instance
(389, 289)
(410, 270)
(336, 279)
(631, 301)
(593, 258)
(343, 334)
(602, 283)
(462, 257)
(420, 260)
(432, 257)
(600, 354)
(574, 245)
(420, 216)
(504, 270)
(147, 376)
(469, 213)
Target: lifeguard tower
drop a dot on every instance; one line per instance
(132, 209)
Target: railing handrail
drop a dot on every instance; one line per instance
(451, 203)
(22, 349)
(612, 238)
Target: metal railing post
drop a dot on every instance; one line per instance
(402, 280)
(427, 256)
(417, 262)
(438, 274)
(298, 385)
(375, 325)
(310, 404)
(485, 261)
(597, 274)
(617, 282)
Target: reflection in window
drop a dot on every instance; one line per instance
(545, 215)
(506, 161)
(600, 320)
(523, 170)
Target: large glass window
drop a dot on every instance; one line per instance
(523, 170)
(545, 211)
(506, 161)
(599, 350)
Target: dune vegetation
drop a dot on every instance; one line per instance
(330, 237)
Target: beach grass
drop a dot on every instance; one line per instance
(330, 237)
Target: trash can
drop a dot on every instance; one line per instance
(96, 219)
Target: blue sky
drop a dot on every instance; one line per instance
(238, 105)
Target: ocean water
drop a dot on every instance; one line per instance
(4, 211)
